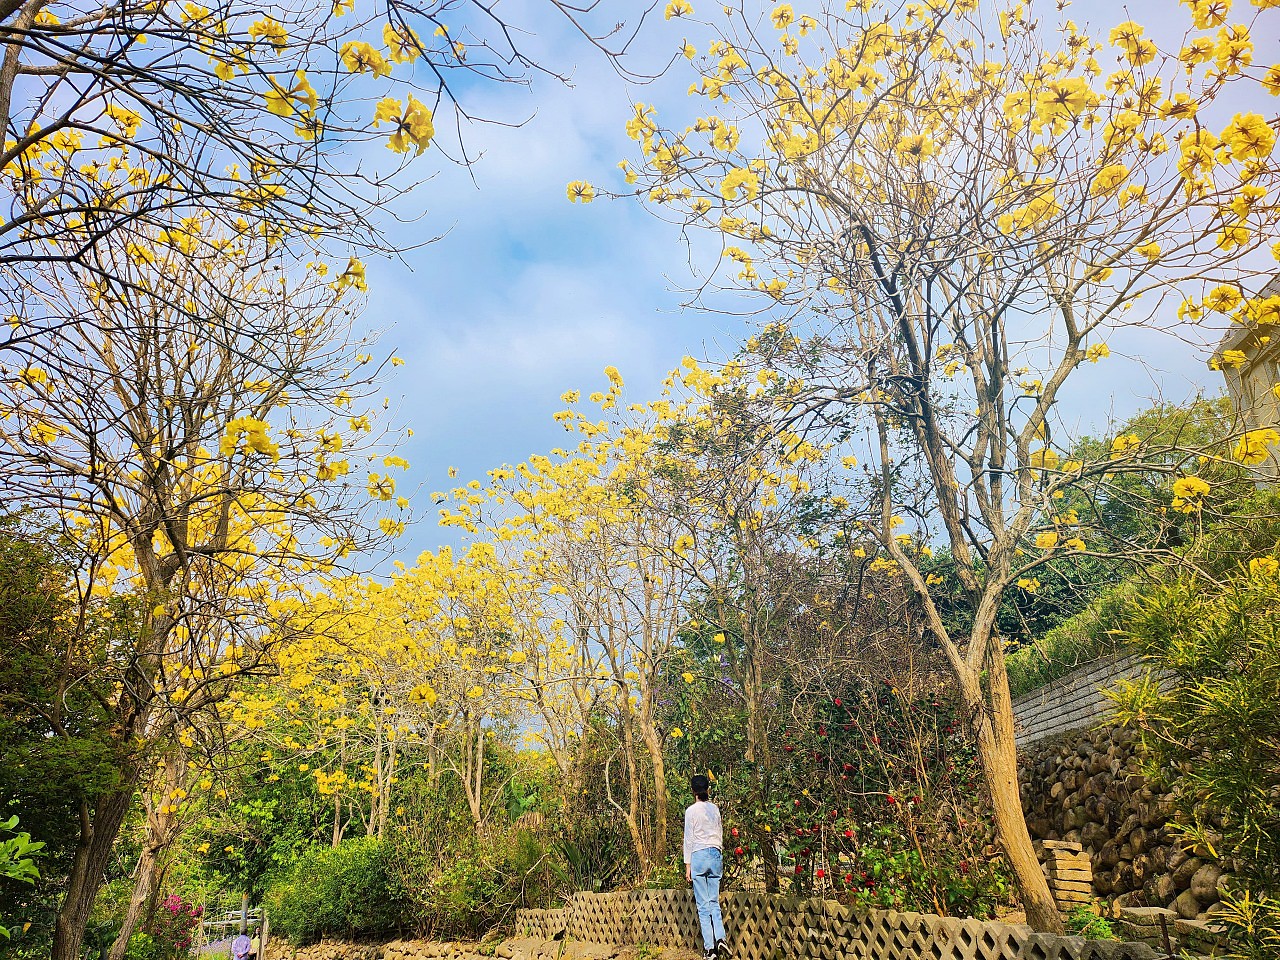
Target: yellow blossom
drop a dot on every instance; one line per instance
(1252, 448)
(1264, 567)
(1188, 493)
(271, 31)
(740, 181)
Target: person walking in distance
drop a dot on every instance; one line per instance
(703, 866)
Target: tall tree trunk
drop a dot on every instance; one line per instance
(753, 687)
(93, 851)
(633, 794)
(660, 804)
(476, 791)
(162, 827)
(375, 796)
(997, 750)
(386, 789)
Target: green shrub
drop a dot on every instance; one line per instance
(1217, 723)
(1084, 922)
(343, 892)
(460, 885)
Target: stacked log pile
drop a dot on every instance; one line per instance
(1088, 787)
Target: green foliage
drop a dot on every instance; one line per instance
(55, 742)
(343, 892)
(271, 817)
(1086, 922)
(1217, 722)
(457, 883)
(17, 854)
(870, 793)
(590, 854)
(1084, 637)
(17, 858)
(1241, 529)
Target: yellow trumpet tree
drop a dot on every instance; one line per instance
(199, 446)
(945, 210)
(118, 114)
(421, 669)
(578, 522)
(747, 497)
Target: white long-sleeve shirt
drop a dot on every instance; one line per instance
(702, 828)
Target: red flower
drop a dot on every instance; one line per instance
(821, 873)
(836, 701)
(737, 851)
(849, 834)
(890, 799)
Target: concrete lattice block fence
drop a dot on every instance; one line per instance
(762, 927)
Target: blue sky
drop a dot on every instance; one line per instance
(526, 295)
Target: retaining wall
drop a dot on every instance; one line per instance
(1073, 702)
(1090, 787)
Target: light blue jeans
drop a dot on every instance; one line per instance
(706, 868)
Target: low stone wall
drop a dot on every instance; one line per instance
(1089, 787)
(761, 927)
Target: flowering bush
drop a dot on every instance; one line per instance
(871, 794)
(173, 927)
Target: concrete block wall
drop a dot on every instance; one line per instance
(1073, 702)
(761, 927)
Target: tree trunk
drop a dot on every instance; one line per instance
(660, 803)
(997, 751)
(477, 793)
(93, 851)
(632, 816)
(143, 889)
(162, 826)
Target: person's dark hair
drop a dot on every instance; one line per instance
(700, 786)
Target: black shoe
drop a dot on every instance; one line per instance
(709, 954)
(722, 950)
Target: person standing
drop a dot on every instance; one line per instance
(704, 865)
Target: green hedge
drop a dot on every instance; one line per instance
(343, 892)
